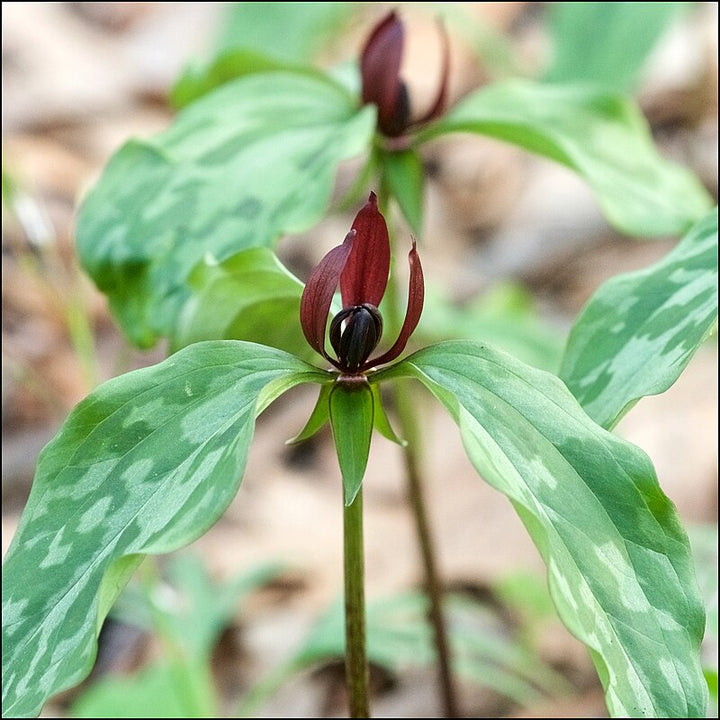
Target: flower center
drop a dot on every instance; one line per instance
(354, 333)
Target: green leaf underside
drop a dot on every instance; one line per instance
(251, 296)
(606, 43)
(600, 135)
(145, 464)
(619, 563)
(351, 420)
(247, 163)
(639, 331)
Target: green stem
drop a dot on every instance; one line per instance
(409, 430)
(356, 667)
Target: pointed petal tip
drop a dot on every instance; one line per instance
(365, 277)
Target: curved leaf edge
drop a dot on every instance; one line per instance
(709, 223)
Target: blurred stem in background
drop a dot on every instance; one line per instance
(410, 432)
(40, 259)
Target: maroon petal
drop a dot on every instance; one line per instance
(438, 106)
(318, 293)
(380, 72)
(416, 296)
(365, 276)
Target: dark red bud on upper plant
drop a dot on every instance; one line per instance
(381, 83)
(360, 266)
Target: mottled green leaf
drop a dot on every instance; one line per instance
(639, 330)
(404, 174)
(145, 464)
(618, 560)
(351, 420)
(247, 163)
(600, 135)
(250, 296)
(603, 42)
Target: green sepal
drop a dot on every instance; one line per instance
(381, 421)
(319, 416)
(351, 420)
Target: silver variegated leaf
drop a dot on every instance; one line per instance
(619, 563)
(145, 464)
(639, 330)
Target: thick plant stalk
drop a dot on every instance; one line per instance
(356, 667)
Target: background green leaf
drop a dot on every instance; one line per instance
(243, 298)
(256, 37)
(399, 636)
(639, 330)
(600, 135)
(287, 30)
(237, 169)
(152, 692)
(605, 43)
(187, 613)
(199, 80)
(619, 562)
(145, 464)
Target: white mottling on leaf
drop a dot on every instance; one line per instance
(669, 671)
(138, 471)
(12, 610)
(94, 515)
(57, 552)
(142, 413)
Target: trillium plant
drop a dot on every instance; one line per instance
(179, 233)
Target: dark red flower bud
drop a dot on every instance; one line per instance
(381, 83)
(360, 336)
(360, 266)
